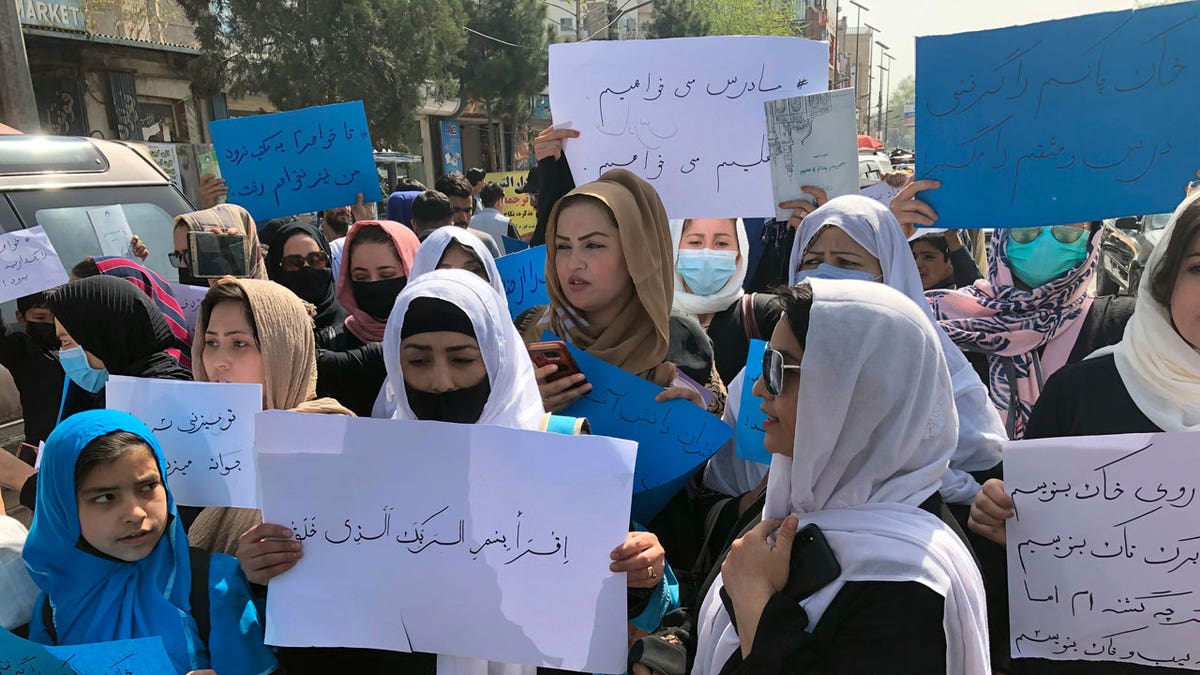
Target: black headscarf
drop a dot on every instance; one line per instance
(275, 236)
(114, 320)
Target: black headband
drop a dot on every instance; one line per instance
(429, 315)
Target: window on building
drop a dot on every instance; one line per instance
(567, 24)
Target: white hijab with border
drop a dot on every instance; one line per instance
(731, 292)
(1159, 368)
(867, 454)
(429, 255)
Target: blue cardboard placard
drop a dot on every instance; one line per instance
(1062, 121)
(749, 432)
(17, 655)
(144, 655)
(674, 438)
(524, 276)
(298, 161)
(513, 245)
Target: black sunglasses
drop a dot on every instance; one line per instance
(180, 259)
(773, 369)
(1064, 233)
(316, 260)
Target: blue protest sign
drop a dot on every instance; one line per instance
(750, 417)
(144, 655)
(1062, 121)
(17, 655)
(674, 438)
(524, 276)
(513, 245)
(299, 161)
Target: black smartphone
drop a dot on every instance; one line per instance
(217, 255)
(27, 453)
(813, 567)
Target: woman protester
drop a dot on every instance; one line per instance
(227, 219)
(155, 287)
(452, 247)
(1148, 382)
(299, 259)
(109, 554)
(883, 585)
(711, 259)
(377, 262)
(857, 238)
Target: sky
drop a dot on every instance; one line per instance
(901, 21)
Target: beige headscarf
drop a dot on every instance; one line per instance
(232, 216)
(285, 337)
(637, 340)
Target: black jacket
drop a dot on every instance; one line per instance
(39, 381)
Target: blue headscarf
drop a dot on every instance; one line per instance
(399, 206)
(96, 598)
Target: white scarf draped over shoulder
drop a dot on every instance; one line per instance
(1159, 368)
(695, 305)
(866, 454)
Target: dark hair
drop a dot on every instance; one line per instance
(1162, 284)
(227, 291)
(796, 302)
(104, 450)
(475, 175)
(85, 268)
(32, 301)
(454, 185)
(409, 184)
(579, 199)
(490, 194)
(431, 206)
(938, 241)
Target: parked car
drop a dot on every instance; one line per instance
(872, 166)
(1125, 246)
(52, 181)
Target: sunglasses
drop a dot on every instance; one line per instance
(180, 259)
(773, 369)
(1064, 233)
(316, 260)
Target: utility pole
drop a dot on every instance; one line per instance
(857, 42)
(870, 75)
(887, 120)
(882, 53)
(16, 84)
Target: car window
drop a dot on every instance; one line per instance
(1157, 221)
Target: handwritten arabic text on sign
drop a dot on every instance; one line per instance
(1104, 550)
(453, 550)
(299, 161)
(524, 275)
(686, 114)
(812, 140)
(28, 264)
(1060, 122)
(206, 430)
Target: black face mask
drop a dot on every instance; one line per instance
(186, 278)
(464, 406)
(308, 283)
(377, 297)
(43, 334)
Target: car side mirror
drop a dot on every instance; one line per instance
(1126, 223)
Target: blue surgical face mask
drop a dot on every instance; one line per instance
(706, 270)
(1044, 259)
(75, 364)
(827, 271)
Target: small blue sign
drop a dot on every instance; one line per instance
(750, 418)
(299, 161)
(524, 277)
(451, 147)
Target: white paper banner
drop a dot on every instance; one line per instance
(28, 264)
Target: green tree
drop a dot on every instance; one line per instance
(904, 93)
(391, 54)
(748, 17)
(506, 60)
(676, 18)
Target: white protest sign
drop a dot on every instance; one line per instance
(28, 264)
(206, 430)
(686, 114)
(466, 540)
(1104, 550)
(111, 228)
(880, 192)
(189, 299)
(813, 142)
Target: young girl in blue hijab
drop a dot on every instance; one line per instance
(110, 556)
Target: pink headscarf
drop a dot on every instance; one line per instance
(999, 319)
(364, 326)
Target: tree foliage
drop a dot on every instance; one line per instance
(748, 17)
(503, 76)
(391, 54)
(903, 93)
(676, 18)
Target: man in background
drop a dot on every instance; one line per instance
(456, 187)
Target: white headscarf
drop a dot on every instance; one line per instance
(429, 255)
(514, 400)
(872, 225)
(16, 587)
(1159, 368)
(695, 305)
(867, 453)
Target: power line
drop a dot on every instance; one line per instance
(494, 39)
